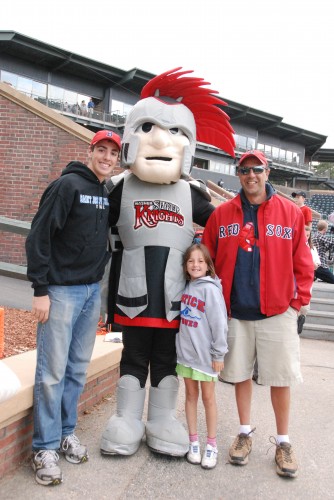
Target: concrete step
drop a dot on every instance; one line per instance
(13, 271)
(321, 304)
(323, 290)
(315, 317)
(318, 332)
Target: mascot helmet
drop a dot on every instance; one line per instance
(172, 101)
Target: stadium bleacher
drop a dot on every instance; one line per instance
(322, 203)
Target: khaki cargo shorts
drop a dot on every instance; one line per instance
(273, 341)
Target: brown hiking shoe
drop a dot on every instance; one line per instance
(240, 449)
(285, 460)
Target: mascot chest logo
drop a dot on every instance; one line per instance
(151, 213)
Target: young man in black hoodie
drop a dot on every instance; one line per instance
(66, 254)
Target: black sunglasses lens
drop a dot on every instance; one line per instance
(245, 171)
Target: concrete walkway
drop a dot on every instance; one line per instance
(150, 476)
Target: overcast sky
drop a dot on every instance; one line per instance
(272, 55)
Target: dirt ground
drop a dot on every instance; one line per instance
(20, 331)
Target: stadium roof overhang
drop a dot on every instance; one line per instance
(324, 156)
(55, 59)
(274, 124)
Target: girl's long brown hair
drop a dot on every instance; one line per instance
(207, 258)
(309, 239)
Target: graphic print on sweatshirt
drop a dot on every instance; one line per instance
(99, 201)
(190, 314)
(247, 237)
(151, 212)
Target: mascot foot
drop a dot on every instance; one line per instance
(165, 434)
(125, 429)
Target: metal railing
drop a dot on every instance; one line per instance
(89, 115)
(17, 227)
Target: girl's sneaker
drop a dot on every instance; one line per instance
(194, 453)
(209, 459)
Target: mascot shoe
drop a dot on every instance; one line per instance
(164, 433)
(125, 429)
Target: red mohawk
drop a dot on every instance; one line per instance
(212, 123)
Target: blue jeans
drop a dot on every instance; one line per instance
(64, 348)
(324, 274)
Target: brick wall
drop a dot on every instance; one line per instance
(33, 152)
(16, 438)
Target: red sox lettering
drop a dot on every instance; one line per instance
(271, 230)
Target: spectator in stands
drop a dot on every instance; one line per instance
(83, 108)
(324, 244)
(91, 106)
(66, 255)
(76, 109)
(251, 238)
(300, 197)
(331, 217)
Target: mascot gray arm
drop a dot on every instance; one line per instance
(201, 187)
(114, 181)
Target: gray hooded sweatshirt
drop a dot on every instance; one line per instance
(203, 329)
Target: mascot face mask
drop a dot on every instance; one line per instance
(161, 131)
(159, 140)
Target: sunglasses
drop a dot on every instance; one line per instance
(246, 170)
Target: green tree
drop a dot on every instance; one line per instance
(325, 170)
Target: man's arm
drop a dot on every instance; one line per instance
(302, 265)
(308, 217)
(50, 217)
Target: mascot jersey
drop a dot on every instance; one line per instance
(155, 225)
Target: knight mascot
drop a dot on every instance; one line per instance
(153, 208)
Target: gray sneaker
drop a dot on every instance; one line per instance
(45, 464)
(74, 451)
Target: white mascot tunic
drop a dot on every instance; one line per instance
(153, 209)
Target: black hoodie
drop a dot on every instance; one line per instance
(67, 243)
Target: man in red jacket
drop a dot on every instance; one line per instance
(257, 242)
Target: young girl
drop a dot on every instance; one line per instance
(201, 346)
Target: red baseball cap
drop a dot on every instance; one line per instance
(106, 135)
(256, 154)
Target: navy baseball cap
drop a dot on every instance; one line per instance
(298, 193)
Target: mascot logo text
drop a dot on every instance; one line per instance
(150, 213)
